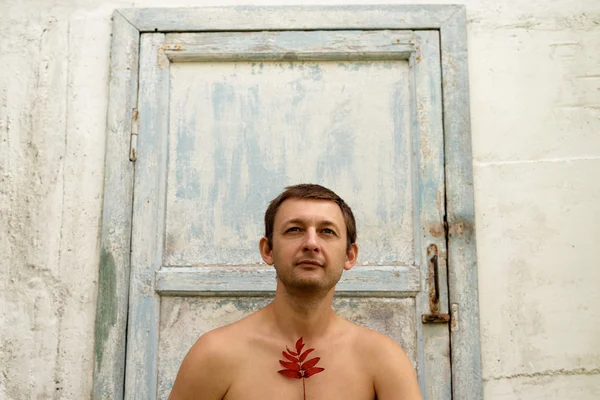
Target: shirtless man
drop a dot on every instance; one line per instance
(310, 239)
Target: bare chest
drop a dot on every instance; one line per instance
(343, 378)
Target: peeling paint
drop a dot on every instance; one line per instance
(513, 46)
(238, 142)
(106, 314)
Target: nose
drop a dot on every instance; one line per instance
(311, 242)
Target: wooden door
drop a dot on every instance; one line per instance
(226, 120)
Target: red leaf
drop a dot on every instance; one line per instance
(299, 345)
(312, 371)
(291, 374)
(303, 356)
(289, 365)
(310, 363)
(297, 368)
(289, 357)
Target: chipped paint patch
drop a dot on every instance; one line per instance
(106, 314)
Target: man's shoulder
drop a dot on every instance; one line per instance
(212, 348)
(211, 364)
(384, 360)
(212, 341)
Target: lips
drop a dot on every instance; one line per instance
(311, 262)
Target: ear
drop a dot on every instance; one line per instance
(351, 256)
(265, 251)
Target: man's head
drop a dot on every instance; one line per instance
(310, 192)
(310, 236)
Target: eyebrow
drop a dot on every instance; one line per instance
(301, 221)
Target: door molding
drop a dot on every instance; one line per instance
(129, 24)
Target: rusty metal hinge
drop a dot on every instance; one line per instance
(134, 136)
(434, 289)
(435, 318)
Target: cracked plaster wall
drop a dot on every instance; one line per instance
(535, 106)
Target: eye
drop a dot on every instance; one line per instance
(328, 231)
(293, 229)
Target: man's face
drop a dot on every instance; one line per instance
(309, 245)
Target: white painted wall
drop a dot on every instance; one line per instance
(535, 106)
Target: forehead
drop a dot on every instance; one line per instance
(309, 210)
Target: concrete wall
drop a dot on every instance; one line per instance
(535, 104)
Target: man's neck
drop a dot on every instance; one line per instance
(301, 314)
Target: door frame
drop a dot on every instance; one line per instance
(121, 126)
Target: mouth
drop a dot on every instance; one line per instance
(309, 262)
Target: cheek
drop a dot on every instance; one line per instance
(286, 245)
(280, 250)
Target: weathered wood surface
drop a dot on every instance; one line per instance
(111, 313)
(203, 122)
(428, 144)
(240, 132)
(451, 21)
(273, 46)
(401, 281)
(148, 228)
(462, 258)
(233, 128)
(252, 18)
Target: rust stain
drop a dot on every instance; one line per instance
(175, 47)
(435, 318)
(432, 250)
(436, 230)
(418, 48)
(460, 228)
(165, 47)
(161, 57)
(133, 139)
(454, 319)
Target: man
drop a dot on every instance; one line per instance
(297, 347)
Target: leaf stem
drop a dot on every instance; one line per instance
(304, 388)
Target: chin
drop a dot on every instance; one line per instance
(310, 285)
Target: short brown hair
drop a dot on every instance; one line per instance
(315, 192)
